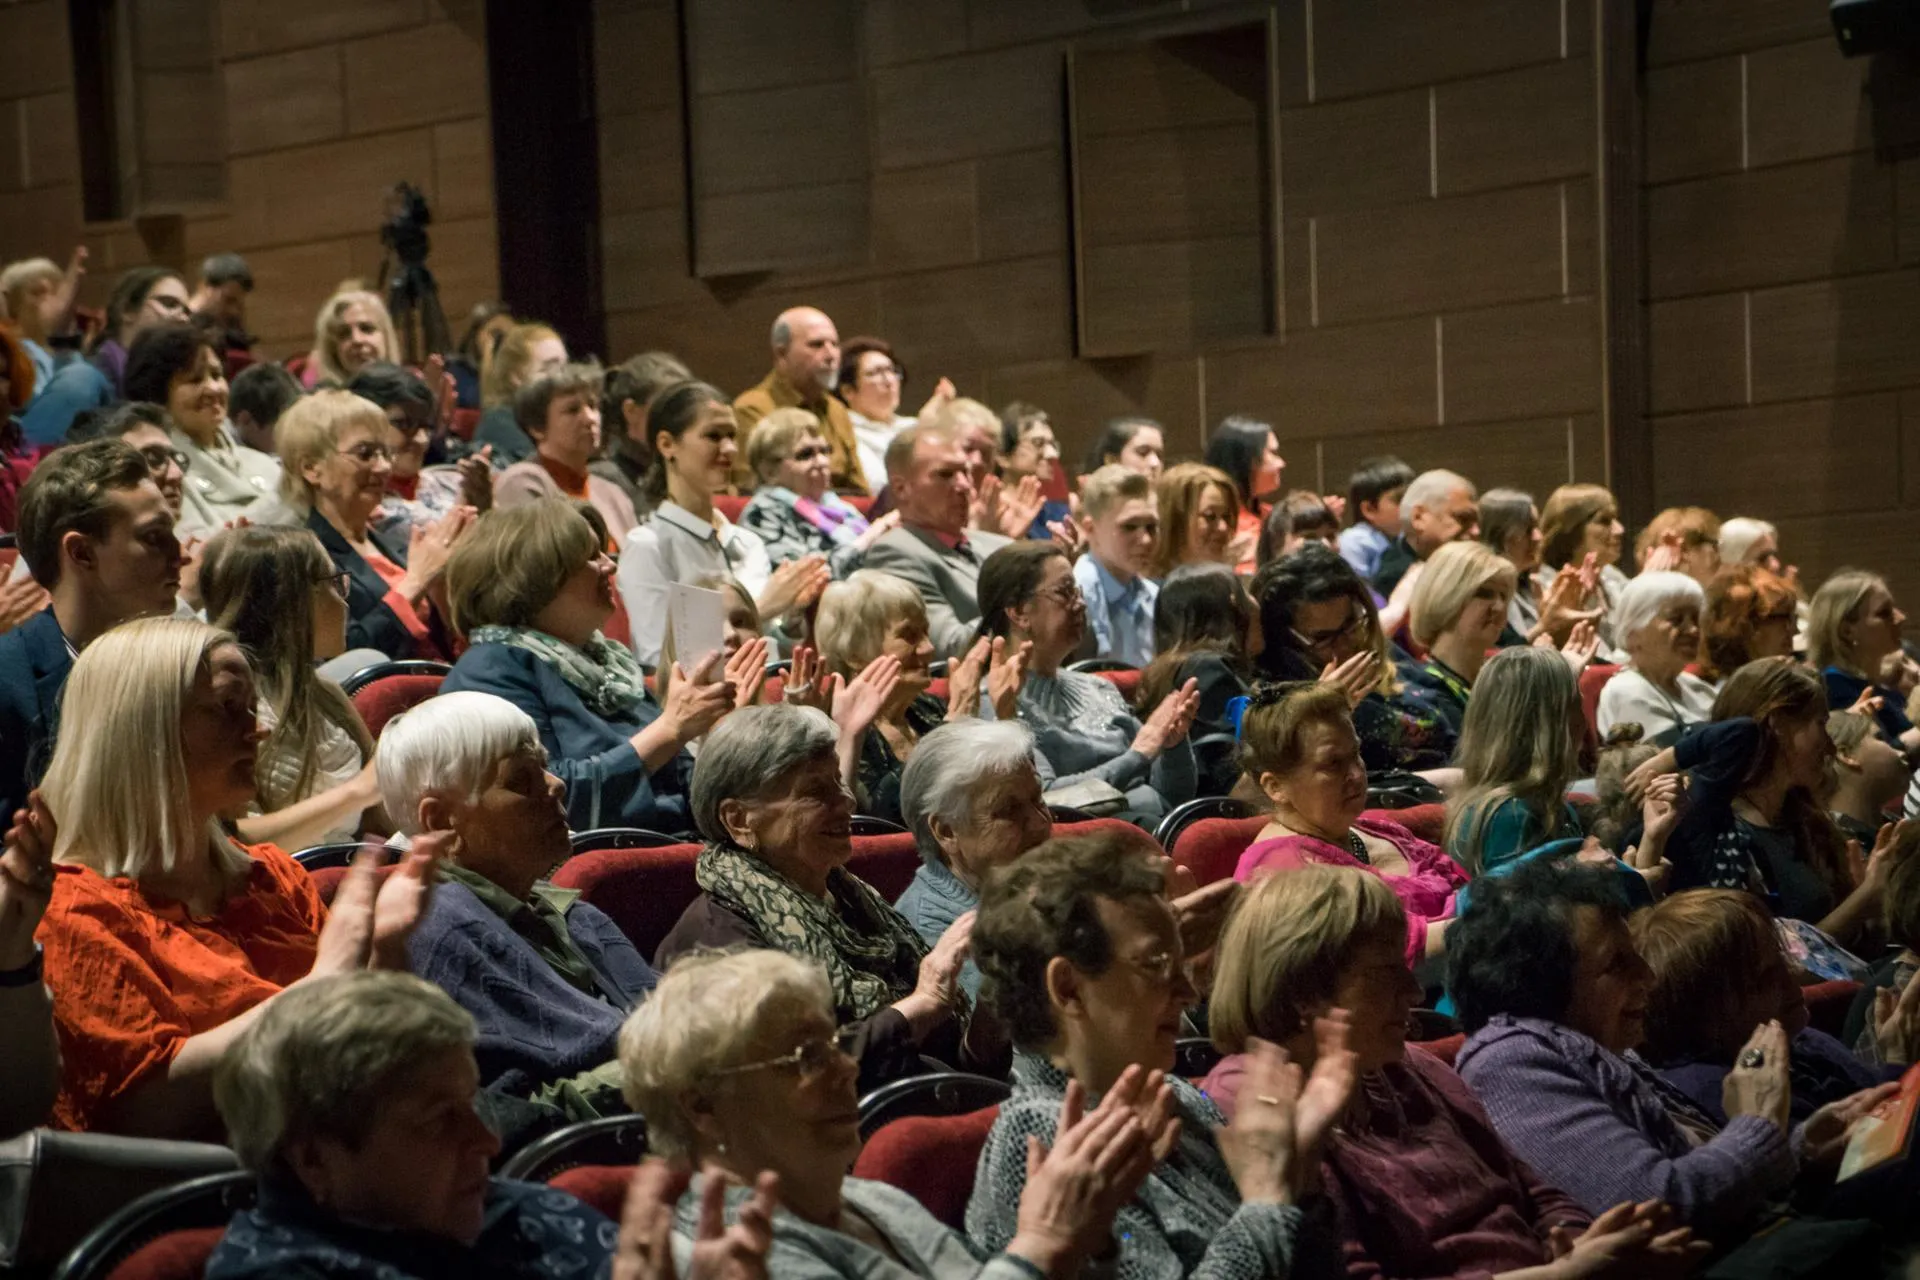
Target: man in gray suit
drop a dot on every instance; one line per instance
(933, 548)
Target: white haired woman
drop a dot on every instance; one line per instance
(1657, 622)
(352, 1098)
(1084, 963)
(729, 1040)
(769, 798)
(163, 936)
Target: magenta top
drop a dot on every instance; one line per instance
(1426, 891)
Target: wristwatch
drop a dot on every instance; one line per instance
(26, 975)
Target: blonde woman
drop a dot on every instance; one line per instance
(1199, 511)
(528, 351)
(1853, 637)
(1458, 611)
(352, 330)
(335, 462)
(1581, 533)
(793, 510)
(164, 935)
(1519, 751)
(286, 604)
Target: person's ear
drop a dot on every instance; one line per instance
(733, 815)
(1270, 786)
(1065, 988)
(664, 445)
(698, 1109)
(436, 812)
(945, 834)
(77, 549)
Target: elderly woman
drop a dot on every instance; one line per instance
(1853, 638)
(1657, 622)
(777, 819)
(870, 381)
(1747, 541)
(728, 1041)
(874, 616)
(530, 590)
(164, 936)
(793, 510)
(351, 331)
(1083, 728)
(1318, 621)
(687, 537)
(1580, 526)
(1298, 744)
(352, 1098)
(547, 978)
(1419, 1182)
(560, 412)
(142, 297)
(178, 367)
(526, 352)
(1750, 613)
(1754, 818)
(1458, 613)
(1554, 997)
(334, 467)
(1084, 963)
(1199, 511)
(1029, 449)
(1718, 972)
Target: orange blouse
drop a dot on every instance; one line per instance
(134, 978)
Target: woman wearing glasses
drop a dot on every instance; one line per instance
(727, 1041)
(335, 463)
(1318, 622)
(793, 510)
(1083, 729)
(871, 380)
(771, 802)
(178, 367)
(286, 604)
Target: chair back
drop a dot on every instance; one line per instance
(621, 838)
(164, 1235)
(1446, 1049)
(604, 1186)
(865, 824)
(1592, 681)
(1194, 1057)
(885, 860)
(1208, 835)
(56, 1186)
(609, 1140)
(731, 505)
(322, 856)
(941, 1093)
(642, 889)
(385, 689)
(1101, 666)
(1125, 679)
(931, 1158)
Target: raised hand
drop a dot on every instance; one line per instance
(794, 585)
(401, 903)
(1169, 721)
(1006, 673)
(944, 394)
(879, 529)
(747, 671)
(808, 685)
(1200, 914)
(1356, 677)
(1582, 644)
(1896, 1022)
(1066, 536)
(1328, 1088)
(26, 880)
(1664, 558)
(22, 599)
(1259, 1144)
(1761, 1089)
(429, 547)
(1020, 508)
(697, 701)
(860, 701)
(476, 479)
(984, 511)
(67, 293)
(720, 1252)
(346, 939)
(1891, 843)
(964, 678)
(1073, 1191)
(939, 979)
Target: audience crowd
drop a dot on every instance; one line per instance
(1554, 1023)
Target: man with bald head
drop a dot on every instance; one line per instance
(806, 360)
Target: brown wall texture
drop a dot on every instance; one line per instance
(319, 107)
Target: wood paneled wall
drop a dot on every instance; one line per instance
(1783, 282)
(1433, 218)
(327, 105)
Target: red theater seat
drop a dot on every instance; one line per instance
(386, 697)
(1211, 848)
(1592, 681)
(931, 1158)
(730, 505)
(178, 1255)
(1127, 682)
(604, 1186)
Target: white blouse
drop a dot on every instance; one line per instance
(674, 545)
(337, 761)
(1662, 718)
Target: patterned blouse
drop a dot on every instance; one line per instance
(1083, 728)
(1187, 1219)
(791, 536)
(880, 768)
(1406, 734)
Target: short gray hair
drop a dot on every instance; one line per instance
(750, 753)
(950, 766)
(1647, 595)
(451, 742)
(324, 1054)
(703, 1017)
(1738, 536)
(1430, 489)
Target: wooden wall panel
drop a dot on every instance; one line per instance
(1697, 352)
(1355, 154)
(49, 148)
(1514, 128)
(1686, 30)
(1184, 184)
(986, 315)
(414, 77)
(1172, 295)
(1022, 204)
(926, 217)
(1694, 119)
(292, 99)
(1534, 456)
(754, 132)
(1309, 384)
(35, 38)
(1088, 392)
(1841, 454)
(1831, 337)
(1012, 103)
(914, 30)
(251, 27)
(1369, 46)
(1523, 361)
(1805, 101)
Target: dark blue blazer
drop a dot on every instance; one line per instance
(34, 663)
(371, 622)
(607, 784)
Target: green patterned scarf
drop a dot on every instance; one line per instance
(603, 672)
(870, 952)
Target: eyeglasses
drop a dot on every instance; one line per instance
(807, 453)
(812, 1060)
(1067, 593)
(1319, 641)
(340, 582)
(1163, 967)
(159, 455)
(367, 452)
(881, 373)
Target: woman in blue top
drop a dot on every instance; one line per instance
(1853, 636)
(1519, 751)
(530, 588)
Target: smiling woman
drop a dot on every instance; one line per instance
(178, 367)
(560, 411)
(1658, 624)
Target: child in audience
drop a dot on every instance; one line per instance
(1122, 524)
(1373, 501)
(1301, 516)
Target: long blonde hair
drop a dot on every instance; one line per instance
(326, 342)
(1517, 743)
(1834, 605)
(259, 583)
(118, 783)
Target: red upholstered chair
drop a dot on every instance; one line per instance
(384, 690)
(326, 881)
(938, 688)
(930, 1158)
(643, 891)
(465, 422)
(1211, 848)
(1127, 682)
(885, 862)
(730, 505)
(1425, 820)
(1125, 830)
(1828, 1004)
(604, 1186)
(178, 1255)
(858, 501)
(1445, 1050)
(1592, 681)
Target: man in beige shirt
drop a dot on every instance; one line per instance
(806, 361)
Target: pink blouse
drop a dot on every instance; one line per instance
(1426, 891)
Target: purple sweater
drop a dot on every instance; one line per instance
(1592, 1123)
